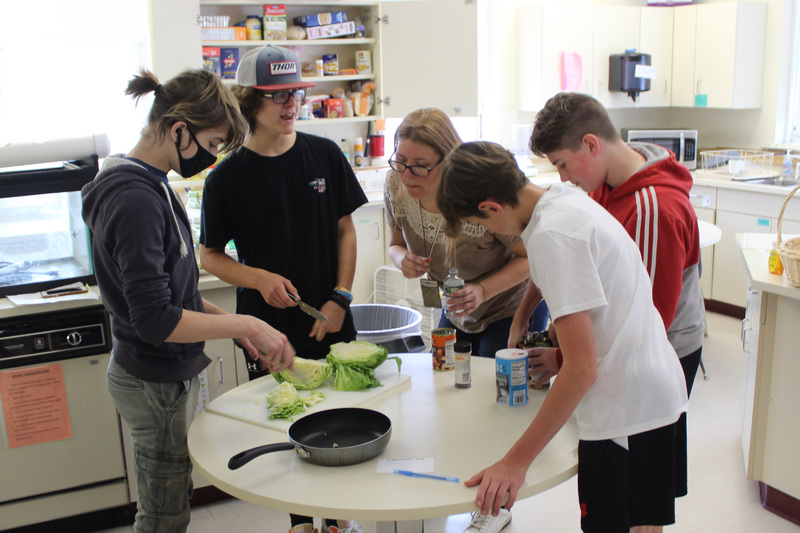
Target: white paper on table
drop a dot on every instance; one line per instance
(416, 464)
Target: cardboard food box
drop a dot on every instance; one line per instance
(230, 33)
(321, 19)
(229, 57)
(331, 30)
(333, 107)
(274, 27)
(211, 60)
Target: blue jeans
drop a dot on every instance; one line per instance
(495, 336)
(158, 415)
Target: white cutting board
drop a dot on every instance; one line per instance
(248, 402)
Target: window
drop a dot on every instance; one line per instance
(64, 67)
(793, 124)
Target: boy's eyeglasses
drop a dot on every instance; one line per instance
(417, 170)
(281, 97)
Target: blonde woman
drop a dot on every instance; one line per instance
(494, 266)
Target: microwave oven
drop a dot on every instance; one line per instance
(683, 143)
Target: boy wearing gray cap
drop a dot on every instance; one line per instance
(286, 199)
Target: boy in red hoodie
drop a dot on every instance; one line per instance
(647, 190)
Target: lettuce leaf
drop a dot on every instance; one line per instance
(354, 364)
(307, 374)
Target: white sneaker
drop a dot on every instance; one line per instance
(486, 523)
(342, 526)
(303, 528)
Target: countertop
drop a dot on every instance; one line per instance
(8, 309)
(755, 249)
(720, 181)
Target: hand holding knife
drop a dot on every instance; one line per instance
(307, 309)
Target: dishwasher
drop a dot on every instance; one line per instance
(78, 480)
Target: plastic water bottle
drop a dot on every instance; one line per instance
(786, 172)
(452, 283)
(345, 149)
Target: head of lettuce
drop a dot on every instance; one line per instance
(354, 364)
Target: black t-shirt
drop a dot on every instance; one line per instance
(282, 214)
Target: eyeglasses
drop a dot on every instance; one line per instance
(281, 97)
(417, 170)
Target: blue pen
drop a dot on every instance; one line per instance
(409, 473)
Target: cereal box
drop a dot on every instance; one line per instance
(321, 19)
(229, 57)
(274, 27)
(211, 60)
(333, 107)
(331, 30)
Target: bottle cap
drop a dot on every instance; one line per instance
(462, 346)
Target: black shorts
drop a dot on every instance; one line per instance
(619, 489)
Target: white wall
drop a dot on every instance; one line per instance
(735, 128)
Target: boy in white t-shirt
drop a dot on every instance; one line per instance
(620, 375)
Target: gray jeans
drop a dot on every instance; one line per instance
(158, 415)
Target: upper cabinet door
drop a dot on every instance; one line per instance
(566, 29)
(616, 29)
(655, 38)
(683, 46)
(175, 36)
(430, 57)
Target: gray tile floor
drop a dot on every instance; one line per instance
(720, 498)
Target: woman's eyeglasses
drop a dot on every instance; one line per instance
(417, 170)
(281, 97)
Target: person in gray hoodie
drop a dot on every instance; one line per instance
(147, 274)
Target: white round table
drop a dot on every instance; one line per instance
(462, 430)
(709, 233)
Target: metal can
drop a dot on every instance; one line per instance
(536, 339)
(511, 369)
(463, 359)
(442, 344)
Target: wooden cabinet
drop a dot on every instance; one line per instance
(547, 32)
(615, 29)
(656, 39)
(414, 62)
(430, 57)
(770, 338)
(744, 212)
(718, 55)
(704, 201)
(369, 225)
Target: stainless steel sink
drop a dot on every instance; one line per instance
(778, 182)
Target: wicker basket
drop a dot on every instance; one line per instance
(789, 251)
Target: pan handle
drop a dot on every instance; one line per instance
(242, 458)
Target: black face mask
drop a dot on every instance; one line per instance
(198, 162)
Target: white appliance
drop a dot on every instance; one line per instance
(683, 143)
(79, 480)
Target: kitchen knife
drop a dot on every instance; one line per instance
(307, 309)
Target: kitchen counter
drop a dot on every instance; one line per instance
(755, 249)
(771, 367)
(720, 181)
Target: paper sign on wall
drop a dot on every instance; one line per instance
(35, 409)
(571, 72)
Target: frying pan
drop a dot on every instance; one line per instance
(334, 437)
